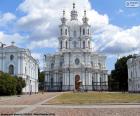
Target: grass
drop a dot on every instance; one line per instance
(95, 97)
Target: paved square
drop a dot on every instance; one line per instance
(36, 104)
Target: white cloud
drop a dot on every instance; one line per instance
(114, 40)
(39, 57)
(8, 38)
(47, 43)
(120, 11)
(6, 18)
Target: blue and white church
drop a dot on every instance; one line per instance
(76, 65)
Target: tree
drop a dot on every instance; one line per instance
(20, 84)
(11, 85)
(7, 84)
(120, 74)
(41, 78)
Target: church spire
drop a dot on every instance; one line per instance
(63, 19)
(74, 14)
(85, 19)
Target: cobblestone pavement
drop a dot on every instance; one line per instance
(36, 104)
(16, 104)
(25, 99)
(89, 111)
(9, 110)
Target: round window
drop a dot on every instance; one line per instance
(77, 61)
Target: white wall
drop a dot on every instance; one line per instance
(22, 59)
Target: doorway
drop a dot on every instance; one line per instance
(77, 82)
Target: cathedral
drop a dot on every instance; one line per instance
(76, 66)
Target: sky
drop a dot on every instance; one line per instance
(33, 24)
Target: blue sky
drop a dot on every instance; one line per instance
(127, 18)
(32, 24)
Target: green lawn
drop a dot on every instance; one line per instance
(95, 97)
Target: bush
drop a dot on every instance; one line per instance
(10, 85)
(20, 84)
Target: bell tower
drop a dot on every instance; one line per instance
(86, 33)
(63, 33)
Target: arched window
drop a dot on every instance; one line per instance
(74, 33)
(61, 64)
(61, 44)
(83, 31)
(11, 69)
(100, 66)
(66, 31)
(75, 44)
(88, 31)
(66, 44)
(61, 61)
(92, 63)
(61, 31)
(83, 44)
(89, 44)
(11, 57)
(52, 66)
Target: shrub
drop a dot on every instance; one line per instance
(7, 84)
(10, 85)
(20, 84)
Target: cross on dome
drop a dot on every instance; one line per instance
(63, 13)
(85, 13)
(63, 19)
(73, 5)
(74, 14)
(85, 19)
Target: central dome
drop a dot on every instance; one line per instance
(74, 24)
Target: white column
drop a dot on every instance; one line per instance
(3, 63)
(1, 59)
(19, 65)
(90, 78)
(106, 78)
(63, 78)
(98, 78)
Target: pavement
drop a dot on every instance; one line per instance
(32, 107)
(36, 105)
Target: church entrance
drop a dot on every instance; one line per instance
(77, 82)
